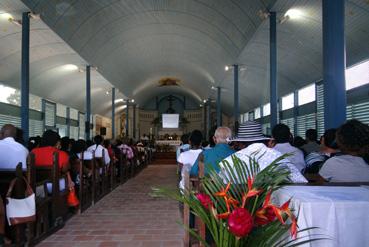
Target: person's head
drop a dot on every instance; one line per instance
(107, 143)
(298, 141)
(79, 146)
(34, 142)
(248, 133)
(184, 138)
(65, 143)
(329, 139)
(311, 135)
(8, 130)
(50, 138)
(281, 133)
(98, 139)
(195, 138)
(222, 135)
(353, 138)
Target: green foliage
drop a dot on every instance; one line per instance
(271, 178)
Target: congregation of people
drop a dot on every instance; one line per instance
(338, 156)
(41, 151)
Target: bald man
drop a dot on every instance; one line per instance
(213, 156)
(11, 152)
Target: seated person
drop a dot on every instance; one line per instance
(188, 158)
(353, 140)
(98, 149)
(44, 156)
(282, 136)
(184, 145)
(11, 152)
(213, 156)
(125, 149)
(328, 148)
(311, 145)
(252, 143)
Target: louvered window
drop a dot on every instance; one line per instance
(50, 114)
(35, 127)
(290, 123)
(359, 111)
(304, 123)
(6, 119)
(81, 120)
(62, 129)
(73, 132)
(266, 129)
(320, 108)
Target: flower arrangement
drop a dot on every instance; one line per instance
(236, 206)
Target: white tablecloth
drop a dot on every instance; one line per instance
(341, 213)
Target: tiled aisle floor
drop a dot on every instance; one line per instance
(128, 216)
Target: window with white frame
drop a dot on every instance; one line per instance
(266, 110)
(306, 94)
(288, 102)
(357, 75)
(9, 95)
(257, 113)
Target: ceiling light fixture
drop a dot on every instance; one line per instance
(227, 67)
(6, 16)
(292, 14)
(70, 67)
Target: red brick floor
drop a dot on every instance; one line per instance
(128, 216)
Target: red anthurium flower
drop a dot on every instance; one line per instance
(251, 191)
(223, 192)
(204, 199)
(240, 222)
(293, 227)
(264, 216)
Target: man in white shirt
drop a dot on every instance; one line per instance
(98, 149)
(11, 152)
(253, 142)
(188, 158)
(282, 135)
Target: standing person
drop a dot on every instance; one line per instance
(353, 141)
(188, 158)
(98, 149)
(11, 152)
(213, 156)
(282, 136)
(311, 145)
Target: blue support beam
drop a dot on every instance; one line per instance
(127, 112)
(134, 121)
(113, 113)
(219, 107)
(236, 113)
(88, 103)
(334, 63)
(25, 76)
(273, 69)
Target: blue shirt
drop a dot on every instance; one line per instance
(212, 157)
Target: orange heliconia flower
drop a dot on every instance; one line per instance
(251, 191)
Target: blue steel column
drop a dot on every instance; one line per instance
(236, 113)
(25, 76)
(127, 124)
(334, 63)
(208, 120)
(219, 107)
(113, 113)
(88, 102)
(134, 121)
(273, 69)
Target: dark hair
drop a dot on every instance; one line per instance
(330, 138)
(311, 135)
(34, 142)
(184, 138)
(353, 138)
(106, 143)
(298, 141)
(98, 139)
(196, 137)
(19, 136)
(281, 133)
(79, 146)
(64, 143)
(50, 138)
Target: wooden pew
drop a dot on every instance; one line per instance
(51, 173)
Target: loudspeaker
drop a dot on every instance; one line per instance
(103, 131)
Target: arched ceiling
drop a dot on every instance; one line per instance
(135, 43)
(50, 78)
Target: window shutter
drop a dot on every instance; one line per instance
(81, 119)
(320, 108)
(304, 123)
(359, 111)
(50, 113)
(290, 123)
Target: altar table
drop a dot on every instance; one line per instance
(341, 213)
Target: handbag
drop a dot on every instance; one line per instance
(72, 199)
(20, 211)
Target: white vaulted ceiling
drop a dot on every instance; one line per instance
(135, 43)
